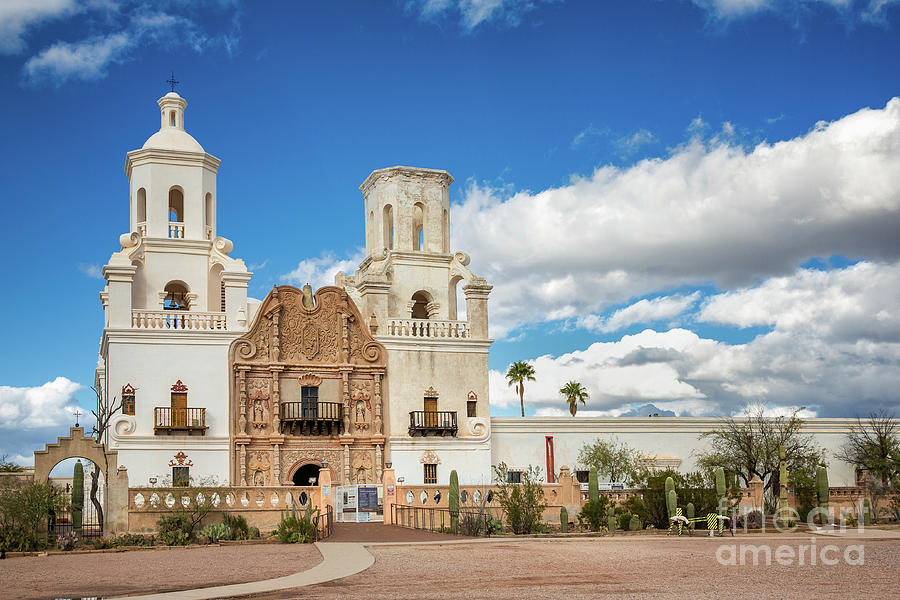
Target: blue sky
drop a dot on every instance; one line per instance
(690, 204)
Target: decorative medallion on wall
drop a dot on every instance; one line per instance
(430, 457)
(431, 393)
(471, 396)
(179, 387)
(181, 460)
(362, 467)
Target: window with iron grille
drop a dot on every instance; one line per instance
(430, 473)
(181, 476)
(514, 476)
(470, 407)
(128, 400)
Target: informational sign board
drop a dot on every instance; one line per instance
(368, 498)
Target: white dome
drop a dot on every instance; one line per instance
(173, 139)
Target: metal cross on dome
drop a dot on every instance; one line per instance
(171, 81)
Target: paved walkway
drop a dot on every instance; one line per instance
(338, 560)
(379, 532)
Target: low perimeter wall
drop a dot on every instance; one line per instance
(261, 506)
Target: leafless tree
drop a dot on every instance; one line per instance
(873, 445)
(750, 446)
(103, 414)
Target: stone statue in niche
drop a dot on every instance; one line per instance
(259, 466)
(361, 424)
(362, 468)
(258, 400)
(362, 405)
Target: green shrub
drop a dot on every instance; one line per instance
(24, 506)
(67, 542)
(238, 526)
(254, 533)
(523, 503)
(298, 529)
(216, 532)
(175, 530)
(593, 514)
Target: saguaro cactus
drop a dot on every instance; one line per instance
(689, 512)
(671, 502)
(593, 485)
(564, 520)
(77, 498)
(453, 500)
(611, 519)
(720, 483)
(822, 487)
(670, 489)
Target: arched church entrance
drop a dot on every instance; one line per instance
(307, 474)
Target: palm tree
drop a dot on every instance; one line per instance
(574, 393)
(518, 374)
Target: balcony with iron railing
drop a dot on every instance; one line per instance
(311, 418)
(169, 421)
(438, 422)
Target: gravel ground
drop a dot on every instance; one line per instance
(145, 571)
(378, 532)
(627, 568)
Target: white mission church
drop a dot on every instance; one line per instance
(377, 370)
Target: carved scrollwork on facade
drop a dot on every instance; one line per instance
(294, 459)
(430, 457)
(362, 405)
(310, 380)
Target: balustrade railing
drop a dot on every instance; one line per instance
(168, 419)
(428, 328)
(311, 411)
(177, 319)
(176, 229)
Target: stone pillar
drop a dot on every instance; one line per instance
(345, 395)
(379, 424)
(276, 370)
(390, 494)
(378, 462)
(243, 463)
(757, 498)
(236, 317)
(326, 491)
(346, 460)
(242, 399)
(119, 279)
(477, 307)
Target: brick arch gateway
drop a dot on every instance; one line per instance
(77, 445)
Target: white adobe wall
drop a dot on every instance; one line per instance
(152, 362)
(521, 442)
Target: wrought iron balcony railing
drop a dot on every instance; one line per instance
(179, 420)
(311, 418)
(426, 422)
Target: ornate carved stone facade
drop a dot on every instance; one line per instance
(306, 388)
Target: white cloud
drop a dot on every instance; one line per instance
(130, 26)
(320, 271)
(587, 133)
(834, 348)
(630, 144)
(709, 213)
(473, 13)
(49, 405)
(94, 271)
(643, 311)
(17, 16)
(726, 10)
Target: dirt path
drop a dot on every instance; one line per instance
(378, 532)
(144, 571)
(576, 570)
